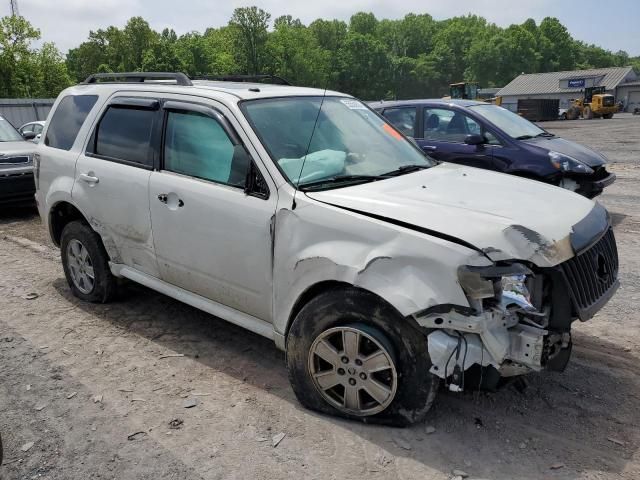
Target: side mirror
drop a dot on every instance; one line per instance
(475, 139)
(29, 135)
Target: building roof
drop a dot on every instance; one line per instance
(545, 83)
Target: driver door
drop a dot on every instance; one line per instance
(443, 137)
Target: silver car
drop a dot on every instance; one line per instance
(32, 130)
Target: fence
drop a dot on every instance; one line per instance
(19, 111)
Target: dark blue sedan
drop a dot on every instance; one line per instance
(488, 136)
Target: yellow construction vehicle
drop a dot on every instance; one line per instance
(595, 104)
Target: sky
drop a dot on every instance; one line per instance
(614, 25)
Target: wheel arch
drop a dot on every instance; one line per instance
(61, 214)
(320, 288)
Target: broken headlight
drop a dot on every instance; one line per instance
(506, 283)
(565, 163)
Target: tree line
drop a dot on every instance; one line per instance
(371, 58)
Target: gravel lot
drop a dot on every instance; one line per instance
(95, 387)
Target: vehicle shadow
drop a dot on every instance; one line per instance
(584, 419)
(10, 213)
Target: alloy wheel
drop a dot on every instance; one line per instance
(80, 266)
(353, 370)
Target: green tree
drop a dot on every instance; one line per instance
(250, 27)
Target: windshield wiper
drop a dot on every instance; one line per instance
(405, 169)
(340, 179)
(524, 137)
(545, 134)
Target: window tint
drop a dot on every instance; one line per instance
(197, 145)
(125, 133)
(67, 120)
(448, 125)
(403, 119)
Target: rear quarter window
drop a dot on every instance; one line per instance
(67, 120)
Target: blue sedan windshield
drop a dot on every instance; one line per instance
(513, 125)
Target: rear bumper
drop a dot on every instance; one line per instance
(17, 188)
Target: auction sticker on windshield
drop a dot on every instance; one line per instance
(354, 104)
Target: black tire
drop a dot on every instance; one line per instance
(104, 286)
(355, 308)
(607, 116)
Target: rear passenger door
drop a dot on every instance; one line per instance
(112, 179)
(443, 134)
(211, 237)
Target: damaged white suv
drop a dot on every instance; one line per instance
(303, 216)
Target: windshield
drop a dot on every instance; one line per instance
(8, 133)
(513, 125)
(350, 142)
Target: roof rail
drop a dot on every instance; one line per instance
(135, 77)
(274, 79)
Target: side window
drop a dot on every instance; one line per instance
(124, 133)
(491, 138)
(448, 125)
(68, 119)
(404, 119)
(197, 145)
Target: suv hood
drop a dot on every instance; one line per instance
(579, 152)
(505, 217)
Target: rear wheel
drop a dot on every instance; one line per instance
(351, 354)
(607, 115)
(86, 263)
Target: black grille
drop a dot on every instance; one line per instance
(592, 276)
(13, 160)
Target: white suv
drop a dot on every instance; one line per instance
(304, 216)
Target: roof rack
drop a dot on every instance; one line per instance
(135, 77)
(274, 79)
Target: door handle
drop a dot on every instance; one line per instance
(170, 200)
(430, 147)
(89, 178)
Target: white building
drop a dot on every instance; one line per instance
(622, 82)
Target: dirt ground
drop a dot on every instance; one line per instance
(92, 389)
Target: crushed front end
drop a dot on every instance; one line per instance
(519, 316)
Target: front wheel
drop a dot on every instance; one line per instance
(351, 354)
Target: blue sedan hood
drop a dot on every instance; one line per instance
(579, 152)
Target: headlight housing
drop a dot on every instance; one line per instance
(565, 163)
(506, 283)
